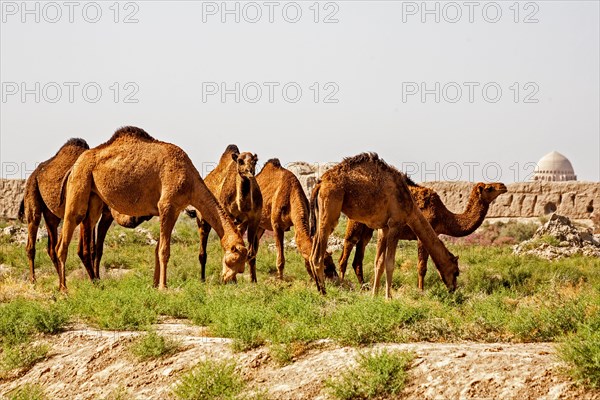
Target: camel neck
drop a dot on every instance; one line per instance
(469, 220)
(243, 187)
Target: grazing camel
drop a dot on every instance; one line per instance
(42, 198)
(370, 191)
(442, 220)
(285, 205)
(137, 175)
(233, 183)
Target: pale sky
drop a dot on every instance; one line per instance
(373, 58)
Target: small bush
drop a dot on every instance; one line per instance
(210, 380)
(20, 319)
(21, 356)
(377, 375)
(152, 345)
(582, 352)
(27, 392)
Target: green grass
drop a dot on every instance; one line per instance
(210, 380)
(377, 375)
(501, 297)
(152, 345)
(582, 353)
(28, 391)
(23, 356)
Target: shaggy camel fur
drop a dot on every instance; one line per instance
(285, 205)
(138, 175)
(442, 220)
(370, 191)
(233, 183)
(42, 198)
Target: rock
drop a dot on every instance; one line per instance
(560, 238)
(19, 234)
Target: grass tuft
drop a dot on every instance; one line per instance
(582, 352)
(28, 391)
(377, 375)
(210, 380)
(152, 345)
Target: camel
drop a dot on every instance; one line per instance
(42, 198)
(137, 175)
(442, 220)
(285, 205)
(370, 191)
(233, 183)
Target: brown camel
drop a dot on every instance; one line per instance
(285, 205)
(442, 220)
(138, 175)
(370, 191)
(42, 198)
(233, 183)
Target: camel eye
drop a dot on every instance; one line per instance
(240, 161)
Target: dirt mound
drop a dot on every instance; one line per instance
(84, 363)
(560, 238)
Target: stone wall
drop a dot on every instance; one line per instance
(576, 200)
(573, 199)
(11, 194)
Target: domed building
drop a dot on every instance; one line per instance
(554, 167)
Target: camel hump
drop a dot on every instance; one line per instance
(130, 131)
(274, 162)
(362, 158)
(76, 142)
(232, 148)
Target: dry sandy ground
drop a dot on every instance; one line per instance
(89, 364)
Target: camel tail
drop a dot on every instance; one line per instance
(314, 209)
(63, 187)
(21, 214)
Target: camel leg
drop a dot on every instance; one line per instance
(422, 264)
(203, 230)
(348, 246)
(253, 248)
(390, 261)
(168, 217)
(328, 215)
(87, 236)
(382, 235)
(52, 222)
(156, 263)
(280, 246)
(101, 231)
(359, 256)
(33, 223)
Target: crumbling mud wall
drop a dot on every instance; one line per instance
(576, 200)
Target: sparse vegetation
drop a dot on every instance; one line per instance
(27, 392)
(582, 352)
(501, 298)
(377, 375)
(210, 380)
(23, 356)
(152, 345)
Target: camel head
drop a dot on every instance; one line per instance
(246, 163)
(450, 273)
(234, 261)
(488, 192)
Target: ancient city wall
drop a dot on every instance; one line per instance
(573, 199)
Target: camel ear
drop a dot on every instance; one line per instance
(234, 156)
(455, 259)
(480, 188)
(255, 158)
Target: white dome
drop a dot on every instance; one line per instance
(554, 167)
